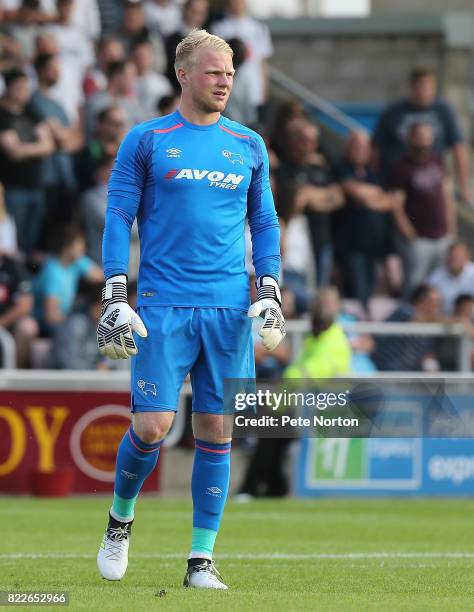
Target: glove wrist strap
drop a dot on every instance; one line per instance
(114, 293)
(267, 288)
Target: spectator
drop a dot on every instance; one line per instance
(16, 303)
(286, 112)
(109, 50)
(150, 86)
(57, 172)
(111, 125)
(76, 55)
(24, 142)
(427, 220)
(367, 213)
(75, 339)
(447, 348)
(93, 207)
(135, 30)
(326, 352)
(163, 16)
(256, 36)
(296, 250)
(308, 178)
(86, 17)
(407, 353)
(422, 105)
(10, 51)
(110, 12)
(194, 15)
(55, 287)
(239, 107)
(455, 276)
(361, 345)
(8, 239)
(25, 27)
(121, 92)
(167, 104)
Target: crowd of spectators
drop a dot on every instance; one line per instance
(379, 221)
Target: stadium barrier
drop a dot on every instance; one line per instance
(296, 330)
(69, 425)
(52, 420)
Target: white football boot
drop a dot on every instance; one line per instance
(112, 559)
(203, 574)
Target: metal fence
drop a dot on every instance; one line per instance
(299, 327)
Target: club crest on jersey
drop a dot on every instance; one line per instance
(173, 152)
(215, 177)
(234, 158)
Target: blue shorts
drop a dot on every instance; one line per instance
(211, 344)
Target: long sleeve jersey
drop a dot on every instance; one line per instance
(191, 188)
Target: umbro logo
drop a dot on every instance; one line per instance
(129, 475)
(173, 152)
(214, 491)
(111, 319)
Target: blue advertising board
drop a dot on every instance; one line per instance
(385, 466)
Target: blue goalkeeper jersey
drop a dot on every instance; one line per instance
(191, 187)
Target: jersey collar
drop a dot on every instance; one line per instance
(180, 119)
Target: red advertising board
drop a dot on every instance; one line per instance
(75, 431)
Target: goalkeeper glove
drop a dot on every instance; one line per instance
(117, 321)
(268, 306)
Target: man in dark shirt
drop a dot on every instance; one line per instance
(111, 124)
(57, 175)
(307, 180)
(407, 353)
(366, 214)
(16, 304)
(427, 221)
(24, 143)
(422, 105)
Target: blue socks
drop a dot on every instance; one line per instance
(135, 461)
(210, 484)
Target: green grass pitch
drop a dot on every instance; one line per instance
(335, 555)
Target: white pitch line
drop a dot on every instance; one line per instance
(259, 556)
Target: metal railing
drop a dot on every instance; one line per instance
(302, 93)
(298, 328)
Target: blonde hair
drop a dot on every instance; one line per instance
(195, 40)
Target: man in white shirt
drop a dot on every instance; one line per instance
(76, 54)
(455, 276)
(256, 36)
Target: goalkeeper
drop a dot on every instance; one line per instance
(191, 179)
